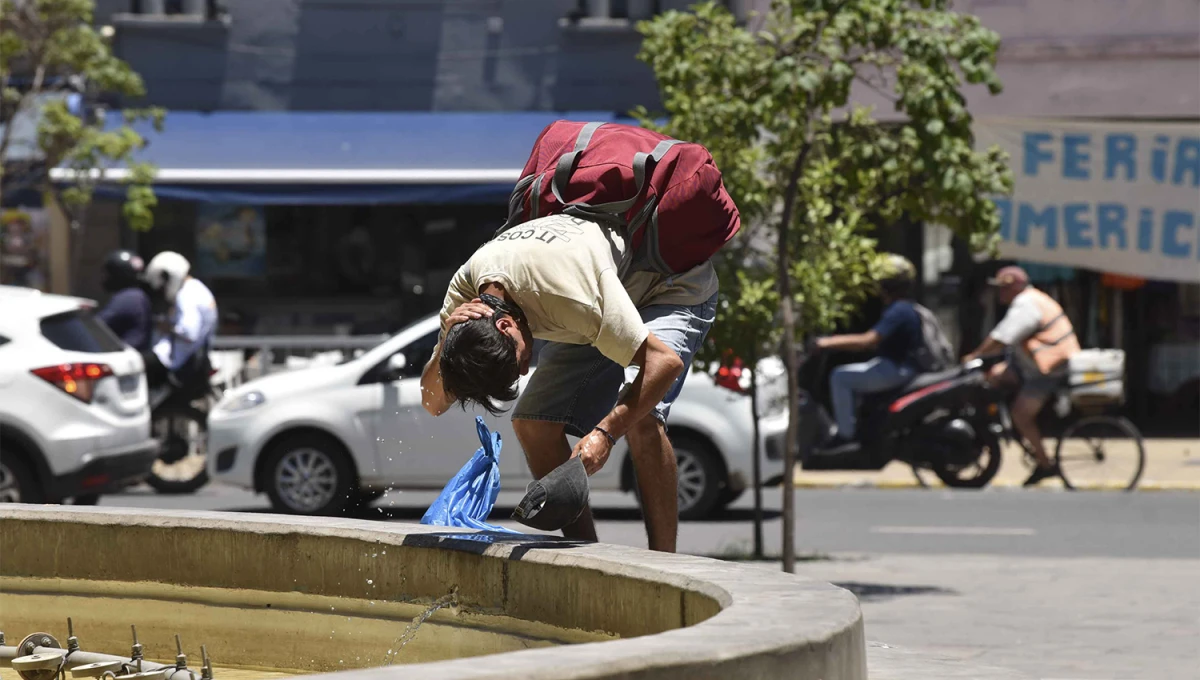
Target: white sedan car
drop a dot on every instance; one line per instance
(320, 440)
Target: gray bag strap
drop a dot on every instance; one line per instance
(535, 198)
(566, 164)
(642, 164)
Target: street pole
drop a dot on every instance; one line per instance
(756, 467)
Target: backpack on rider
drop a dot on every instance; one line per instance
(935, 352)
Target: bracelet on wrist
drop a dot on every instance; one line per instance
(611, 441)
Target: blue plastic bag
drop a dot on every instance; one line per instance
(468, 498)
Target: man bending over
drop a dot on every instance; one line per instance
(620, 345)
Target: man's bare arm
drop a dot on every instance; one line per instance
(433, 396)
(660, 367)
(989, 345)
(854, 342)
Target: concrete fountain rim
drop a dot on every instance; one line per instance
(768, 620)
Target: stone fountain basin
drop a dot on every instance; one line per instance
(304, 595)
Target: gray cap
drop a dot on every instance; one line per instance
(556, 500)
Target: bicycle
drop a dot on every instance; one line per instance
(1094, 448)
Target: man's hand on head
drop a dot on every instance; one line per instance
(468, 311)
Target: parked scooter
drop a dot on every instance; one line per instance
(939, 421)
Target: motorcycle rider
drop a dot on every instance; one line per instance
(127, 313)
(896, 338)
(1043, 340)
(179, 354)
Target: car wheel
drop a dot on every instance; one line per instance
(310, 475)
(18, 483)
(86, 499)
(700, 478)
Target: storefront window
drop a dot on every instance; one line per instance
(322, 269)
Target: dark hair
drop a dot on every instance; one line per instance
(479, 365)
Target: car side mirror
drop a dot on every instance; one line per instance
(396, 365)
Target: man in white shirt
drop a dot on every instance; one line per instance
(192, 321)
(620, 344)
(1043, 340)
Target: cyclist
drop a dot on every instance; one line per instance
(1042, 341)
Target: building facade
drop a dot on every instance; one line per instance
(298, 259)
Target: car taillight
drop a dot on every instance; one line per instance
(77, 380)
(730, 377)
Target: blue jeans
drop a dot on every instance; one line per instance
(851, 380)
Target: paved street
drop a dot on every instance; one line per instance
(1058, 585)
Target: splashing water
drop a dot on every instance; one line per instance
(410, 632)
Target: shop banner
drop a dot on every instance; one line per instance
(1114, 197)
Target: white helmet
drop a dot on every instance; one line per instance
(166, 273)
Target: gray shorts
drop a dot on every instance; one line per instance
(578, 386)
(1035, 385)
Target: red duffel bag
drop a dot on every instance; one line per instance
(665, 193)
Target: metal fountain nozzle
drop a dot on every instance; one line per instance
(206, 672)
(180, 657)
(72, 641)
(136, 654)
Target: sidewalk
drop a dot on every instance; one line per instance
(1171, 464)
(1082, 618)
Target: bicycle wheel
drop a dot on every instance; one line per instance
(1101, 452)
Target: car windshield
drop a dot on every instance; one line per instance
(351, 356)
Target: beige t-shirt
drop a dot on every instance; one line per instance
(565, 275)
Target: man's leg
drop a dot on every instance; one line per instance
(573, 385)
(546, 447)
(657, 478)
(1025, 410)
(848, 381)
(842, 386)
(683, 329)
(851, 380)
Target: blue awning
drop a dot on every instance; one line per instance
(310, 158)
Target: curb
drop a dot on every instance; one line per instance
(809, 483)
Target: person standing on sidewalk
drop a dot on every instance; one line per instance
(1043, 341)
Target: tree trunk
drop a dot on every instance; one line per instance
(756, 467)
(789, 361)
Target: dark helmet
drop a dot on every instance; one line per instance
(122, 269)
(896, 275)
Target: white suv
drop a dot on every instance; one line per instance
(318, 440)
(74, 415)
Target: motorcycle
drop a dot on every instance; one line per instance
(944, 422)
(179, 421)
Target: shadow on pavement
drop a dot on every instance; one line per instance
(415, 513)
(875, 592)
